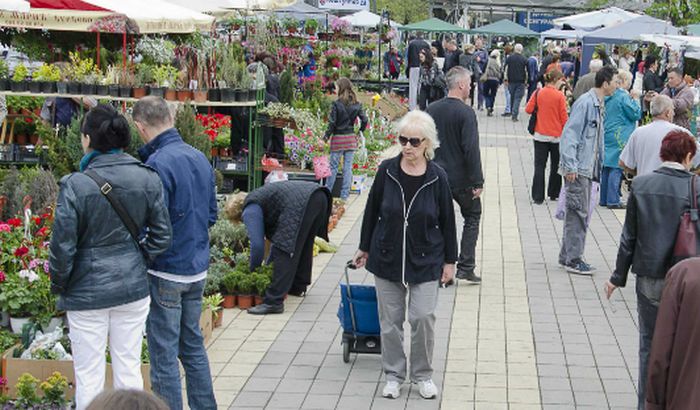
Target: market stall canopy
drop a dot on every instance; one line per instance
(594, 20)
(629, 31)
(505, 28)
(366, 19)
(255, 5)
(205, 6)
(301, 11)
(14, 5)
(111, 16)
(561, 34)
(434, 25)
(691, 44)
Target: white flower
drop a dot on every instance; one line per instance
(30, 275)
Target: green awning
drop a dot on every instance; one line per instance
(694, 29)
(505, 28)
(434, 25)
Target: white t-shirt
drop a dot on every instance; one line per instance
(643, 148)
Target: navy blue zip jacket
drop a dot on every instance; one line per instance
(188, 183)
(409, 246)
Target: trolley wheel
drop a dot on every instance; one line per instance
(346, 351)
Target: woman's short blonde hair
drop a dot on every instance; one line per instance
(625, 78)
(423, 124)
(234, 207)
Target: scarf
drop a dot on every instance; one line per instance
(87, 158)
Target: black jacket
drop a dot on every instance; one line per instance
(459, 151)
(451, 60)
(652, 82)
(469, 62)
(654, 210)
(413, 53)
(341, 120)
(94, 261)
(516, 68)
(430, 239)
(284, 204)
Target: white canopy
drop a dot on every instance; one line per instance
(690, 44)
(593, 20)
(14, 5)
(562, 34)
(259, 4)
(158, 16)
(205, 6)
(366, 19)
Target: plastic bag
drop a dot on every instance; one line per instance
(561, 202)
(361, 153)
(276, 176)
(50, 342)
(322, 167)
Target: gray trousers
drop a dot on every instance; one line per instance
(422, 300)
(578, 199)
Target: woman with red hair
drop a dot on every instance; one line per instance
(656, 203)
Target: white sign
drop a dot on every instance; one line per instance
(343, 4)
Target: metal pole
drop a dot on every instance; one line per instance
(98, 49)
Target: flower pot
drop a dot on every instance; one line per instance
(4, 319)
(229, 301)
(88, 89)
(184, 95)
(139, 92)
(48, 87)
(258, 300)
(62, 87)
(113, 90)
(33, 139)
(26, 111)
(214, 152)
(53, 324)
(200, 96)
(124, 91)
(21, 139)
(227, 95)
(218, 318)
(157, 91)
(102, 90)
(291, 30)
(252, 95)
(18, 86)
(245, 301)
(17, 323)
(34, 87)
(310, 31)
(73, 87)
(4, 84)
(170, 94)
(240, 95)
(214, 94)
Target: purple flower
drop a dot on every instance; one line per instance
(46, 266)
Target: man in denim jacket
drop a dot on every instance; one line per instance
(581, 152)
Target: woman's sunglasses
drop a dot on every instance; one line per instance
(415, 142)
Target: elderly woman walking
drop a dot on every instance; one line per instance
(654, 210)
(409, 243)
(622, 111)
(493, 77)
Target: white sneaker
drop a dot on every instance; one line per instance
(392, 390)
(428, 390)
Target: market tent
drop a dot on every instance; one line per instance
(690, 44)
(562, 34)
(627, 32)
(505, 28)
(434, 25)
(14, 5)
(205, 6)
(594, 20)
(301, 11)
(366, 19)
(254, 5)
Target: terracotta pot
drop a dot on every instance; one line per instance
(170, 95)
(37, 111)
(292, 30)
(214, 152)
(200, 96)
(25, 111)
(139, 92)
(258, 300)
(229, 301)
(21, 139)
(245, 301)
(33, 140)
(184, 95)
(218, 318)
(310, 31)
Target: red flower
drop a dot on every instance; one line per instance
(354, 166)
(28, 120)
(37, 220)
(16, 222)
(21, 251)
(2, 279)
(42, 232)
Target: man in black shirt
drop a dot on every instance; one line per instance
(460, 157)
(516, 76)
(451, 56)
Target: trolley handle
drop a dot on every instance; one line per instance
(350, 265)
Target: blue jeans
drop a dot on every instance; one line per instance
(507, 94)
(490, 88)
(347, 172)
(610, 179)
(173, 332)
(517, 92)
(648, 299)
(255, 225)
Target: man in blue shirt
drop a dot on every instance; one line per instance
(177, 276)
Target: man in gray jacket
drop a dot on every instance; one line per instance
(682, 96)
(587, 81)
(581, 153)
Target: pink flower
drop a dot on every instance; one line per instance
(5, 228)
(2, 279)
(46, 266)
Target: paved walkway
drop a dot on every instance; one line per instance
(530, 337)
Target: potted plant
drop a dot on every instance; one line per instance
(243, 83)
(262, 282)
(228, 72)
(112, 78)
(47, 76)
(26, 387)
(290, 25)
(182, 92)
(164, 77)
(236, 22)
(19, 77)
(89, 84)
(143, 75)
(4, 76)
(126, 83)
(17, 298)
(310, 26)
(54, 389)
(214, 302)
(246, 287)
(230, 285)
(200, 92)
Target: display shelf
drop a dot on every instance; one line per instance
(127, 99)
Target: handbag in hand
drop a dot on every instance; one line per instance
(533, 117)
(686, 238)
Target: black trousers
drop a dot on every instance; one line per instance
(471, 212)
(293, 272)
(542, 151)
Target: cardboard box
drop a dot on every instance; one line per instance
(206, 325)
(13, 368)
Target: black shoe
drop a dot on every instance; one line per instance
(506, 114)
(297, 292)
(536, 202)
(515, 119)
(468, 276)
(617, 206)
(266, 309)
(553, 198)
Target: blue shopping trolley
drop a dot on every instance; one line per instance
(359, 317)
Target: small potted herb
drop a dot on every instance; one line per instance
(126, 83)
(290, 25)
(19, 77)
(54, 389)
(230, 285)
(214, 302)
(142, 76)
(262, 281)
(310, 26)
(112, 77)
(47, 76)
(246, 287)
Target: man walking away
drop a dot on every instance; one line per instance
(177, 276)
(532, 76)
(585, 83)
(516, 75)
(581, 153)
(415, 46)
(460, 157)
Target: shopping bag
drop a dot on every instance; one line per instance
(561, 202)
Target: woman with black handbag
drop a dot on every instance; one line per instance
(432, 80)
(547, 107)
(650, 239)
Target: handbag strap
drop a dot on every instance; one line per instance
(693, 199)
(534, 111)
(106, 190)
